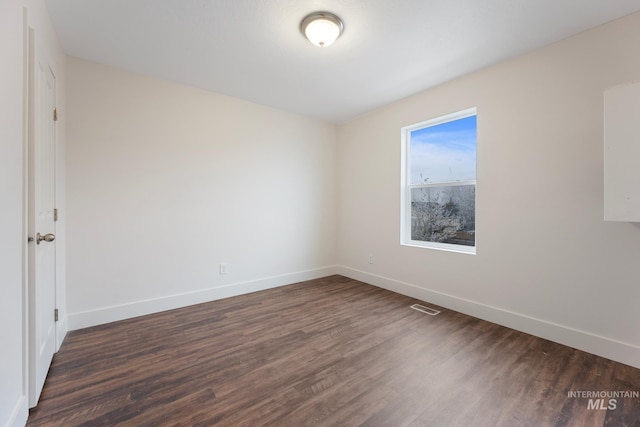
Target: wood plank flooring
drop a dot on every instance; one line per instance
(328, 352)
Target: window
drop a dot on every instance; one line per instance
(439, 183)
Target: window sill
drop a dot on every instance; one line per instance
(469, 250)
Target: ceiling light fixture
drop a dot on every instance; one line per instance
(321, 28)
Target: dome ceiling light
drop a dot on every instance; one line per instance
(321, 28)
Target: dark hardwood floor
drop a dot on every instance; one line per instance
(328, 352)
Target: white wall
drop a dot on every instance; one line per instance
(13, 296)
(165, 182)
(546, 261)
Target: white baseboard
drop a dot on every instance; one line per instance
(140, 308)
(20, 414)
(622, 352)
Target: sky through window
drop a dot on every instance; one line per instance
(444, 153)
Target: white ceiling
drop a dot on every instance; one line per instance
(253, 49)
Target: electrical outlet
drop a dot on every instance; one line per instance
(370, 259)
(224, 268)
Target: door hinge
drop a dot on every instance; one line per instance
(55, 214)
(55, 314)
(55, 114)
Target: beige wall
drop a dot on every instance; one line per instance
(165, 182)
(546, 261)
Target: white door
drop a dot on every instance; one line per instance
(42, 249)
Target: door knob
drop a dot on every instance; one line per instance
(47, 237)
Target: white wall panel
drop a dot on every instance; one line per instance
(622, 153)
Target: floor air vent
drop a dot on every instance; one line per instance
(427, 310)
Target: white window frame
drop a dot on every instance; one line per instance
(406, 186)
